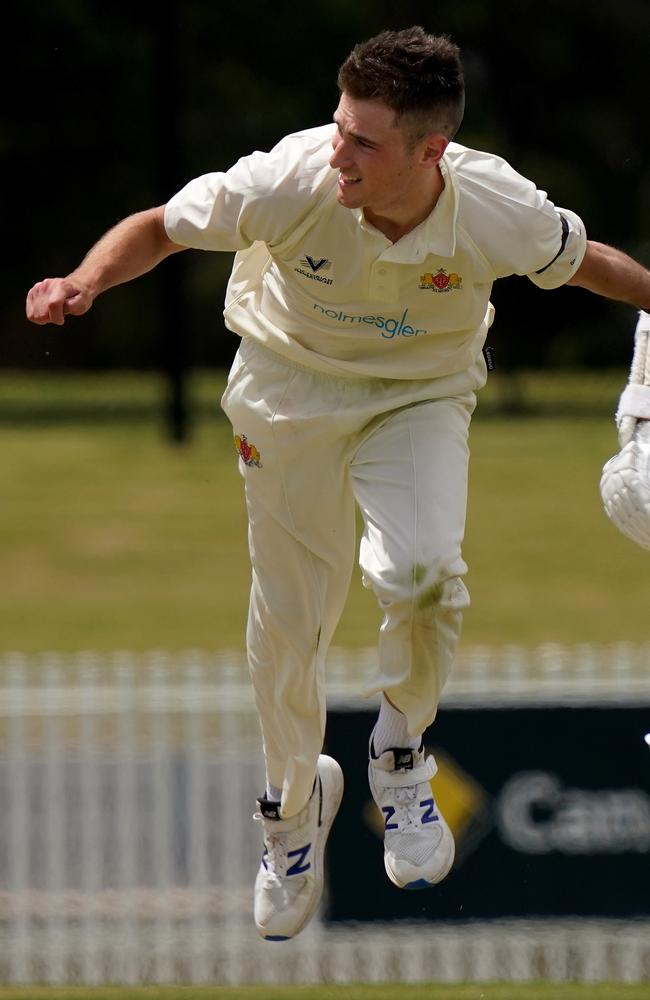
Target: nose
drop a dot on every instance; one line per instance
(340, 157)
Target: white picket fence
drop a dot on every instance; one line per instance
(127, 848)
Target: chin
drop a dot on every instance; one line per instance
(345, 202)
(349, 199)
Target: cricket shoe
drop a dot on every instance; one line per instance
(418, 844)
(289, 882)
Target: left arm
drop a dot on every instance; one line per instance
(625, 480)
(612, 273)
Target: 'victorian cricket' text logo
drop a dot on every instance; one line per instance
(440, 281)
(247, 452)
(313, 267)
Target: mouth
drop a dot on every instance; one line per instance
(346, 182)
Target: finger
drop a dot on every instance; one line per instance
(45, 303)
(33, 305)
(75, 305)
(51, 305)
(55, 312)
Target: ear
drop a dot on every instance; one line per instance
(431, 149)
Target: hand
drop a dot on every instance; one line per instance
(51, 300)
(625, 487)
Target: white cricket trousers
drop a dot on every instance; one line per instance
(310, 446)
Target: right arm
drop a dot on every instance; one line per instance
(133, 247)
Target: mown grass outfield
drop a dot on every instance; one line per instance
(112, 538)
(383, 991)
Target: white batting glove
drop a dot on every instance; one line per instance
(634, 403)
(625, 480)
(625, 487)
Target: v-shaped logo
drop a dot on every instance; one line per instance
(316, 265)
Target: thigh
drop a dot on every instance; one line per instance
(292, 455)
(410, 481)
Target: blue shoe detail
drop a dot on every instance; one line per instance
(276, 937)
(420, 883)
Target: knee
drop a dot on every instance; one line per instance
(425, 586)
(449, 594)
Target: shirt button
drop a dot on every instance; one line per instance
(382, 271)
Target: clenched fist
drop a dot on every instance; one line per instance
(51, 300)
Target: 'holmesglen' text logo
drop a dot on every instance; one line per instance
(389, 327)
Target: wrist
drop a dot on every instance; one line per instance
(85, 284)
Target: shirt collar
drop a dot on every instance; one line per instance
(436, 234)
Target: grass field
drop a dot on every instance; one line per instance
(383, 991)
(113, 538)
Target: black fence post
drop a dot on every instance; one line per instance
(168, 63)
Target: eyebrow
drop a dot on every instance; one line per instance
(356, 135)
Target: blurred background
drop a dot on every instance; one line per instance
(111, 108)
(123, 566)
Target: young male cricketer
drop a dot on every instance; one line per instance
(365, 255)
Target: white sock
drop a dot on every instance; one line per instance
(273, 794)
(391, 729)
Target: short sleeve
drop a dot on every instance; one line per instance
(206, 214)
(258, 200)
(571, 247)
(514, 224)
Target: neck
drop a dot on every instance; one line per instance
(397, 222)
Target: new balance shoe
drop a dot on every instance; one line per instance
(418, 844)
(289, 882)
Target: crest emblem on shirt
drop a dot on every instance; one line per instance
(247, 452)
(440, 281)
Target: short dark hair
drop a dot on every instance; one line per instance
(419, 76)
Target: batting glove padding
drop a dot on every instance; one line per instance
(625, 487)
(625, 481)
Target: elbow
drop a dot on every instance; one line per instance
(165, 245)
(592, 268)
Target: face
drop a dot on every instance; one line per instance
(377, 170)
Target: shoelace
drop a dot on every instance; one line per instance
(406, 800)
(276, 856)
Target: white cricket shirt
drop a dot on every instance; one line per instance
(320, 286)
